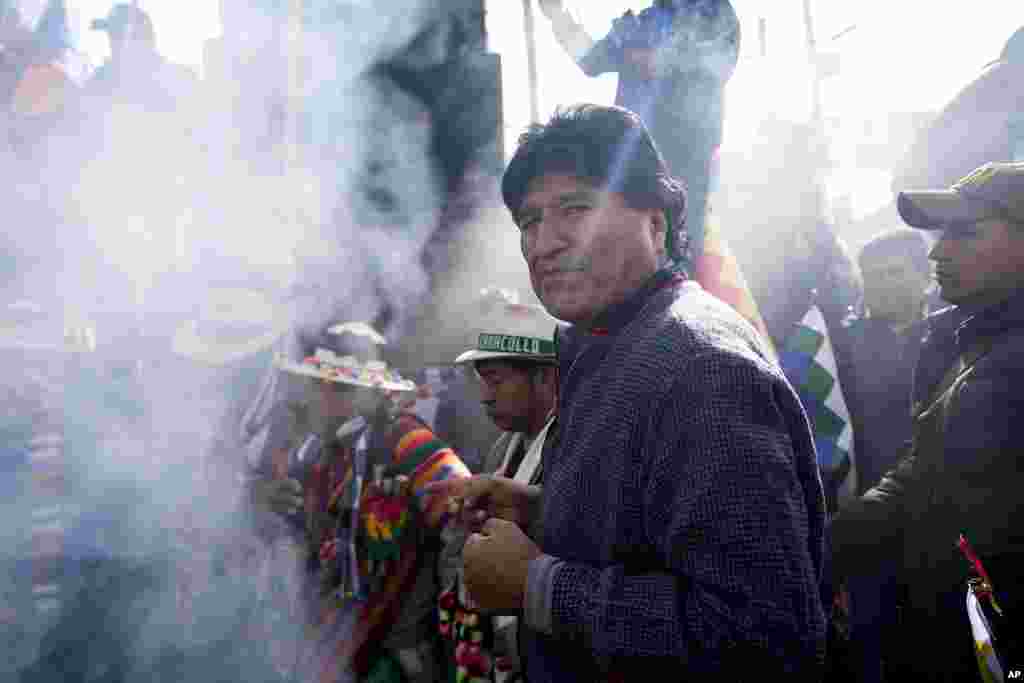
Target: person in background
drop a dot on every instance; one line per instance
(40, 73)
(961, 474)
(372, 531)
(136, 71)
(513, 357)
(42, 458)
(883, 347)
(226, 426)
(136, 107)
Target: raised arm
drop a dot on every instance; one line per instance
(594, 57)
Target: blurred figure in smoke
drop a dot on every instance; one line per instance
(790, 252)
(42, 446)
(215, 415)
(39, 72)
(809, 287)
(229, 344)
(372, 532)
(136, 71)
(673, 61)
(39, 77)
(131, 212)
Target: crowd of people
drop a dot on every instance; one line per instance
(656, 470)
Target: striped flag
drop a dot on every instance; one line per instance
(979, 589)
(809, 362)
(718, 272)
(988, 663)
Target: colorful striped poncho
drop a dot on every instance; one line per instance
(391, 527)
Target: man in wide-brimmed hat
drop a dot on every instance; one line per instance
(359, 483)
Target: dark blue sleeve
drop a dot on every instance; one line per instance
(605, 57)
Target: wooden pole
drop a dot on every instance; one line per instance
(812, 56)
(531, 60)
(294, 101)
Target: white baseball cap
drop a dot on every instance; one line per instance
(509, 329)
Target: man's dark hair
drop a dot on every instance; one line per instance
(903, 242)
(610, 148)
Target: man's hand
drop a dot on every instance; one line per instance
(281, 496)
(496, 563)
(486, 495)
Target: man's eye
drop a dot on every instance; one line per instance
(575, 208)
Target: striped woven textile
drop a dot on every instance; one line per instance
(417, 453)
(425, 459)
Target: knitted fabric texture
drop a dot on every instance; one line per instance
(683, 501)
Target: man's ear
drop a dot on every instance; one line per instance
(659, 229)
(547, 374)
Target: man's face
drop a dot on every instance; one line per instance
(893, 288)
(506, 392)
(586, 250)
(338, 402)
(979, 264)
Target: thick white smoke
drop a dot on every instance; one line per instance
(137, 213)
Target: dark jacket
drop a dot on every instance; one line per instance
(962, 474)
(877, 381)
(682, 510)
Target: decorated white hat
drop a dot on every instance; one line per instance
(327, 365)
(233, 322)
(509, 329)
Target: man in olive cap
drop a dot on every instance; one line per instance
(962, 474)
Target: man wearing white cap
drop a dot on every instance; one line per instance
(513, 356)
(962, 473)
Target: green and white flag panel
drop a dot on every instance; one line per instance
(809, 361)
